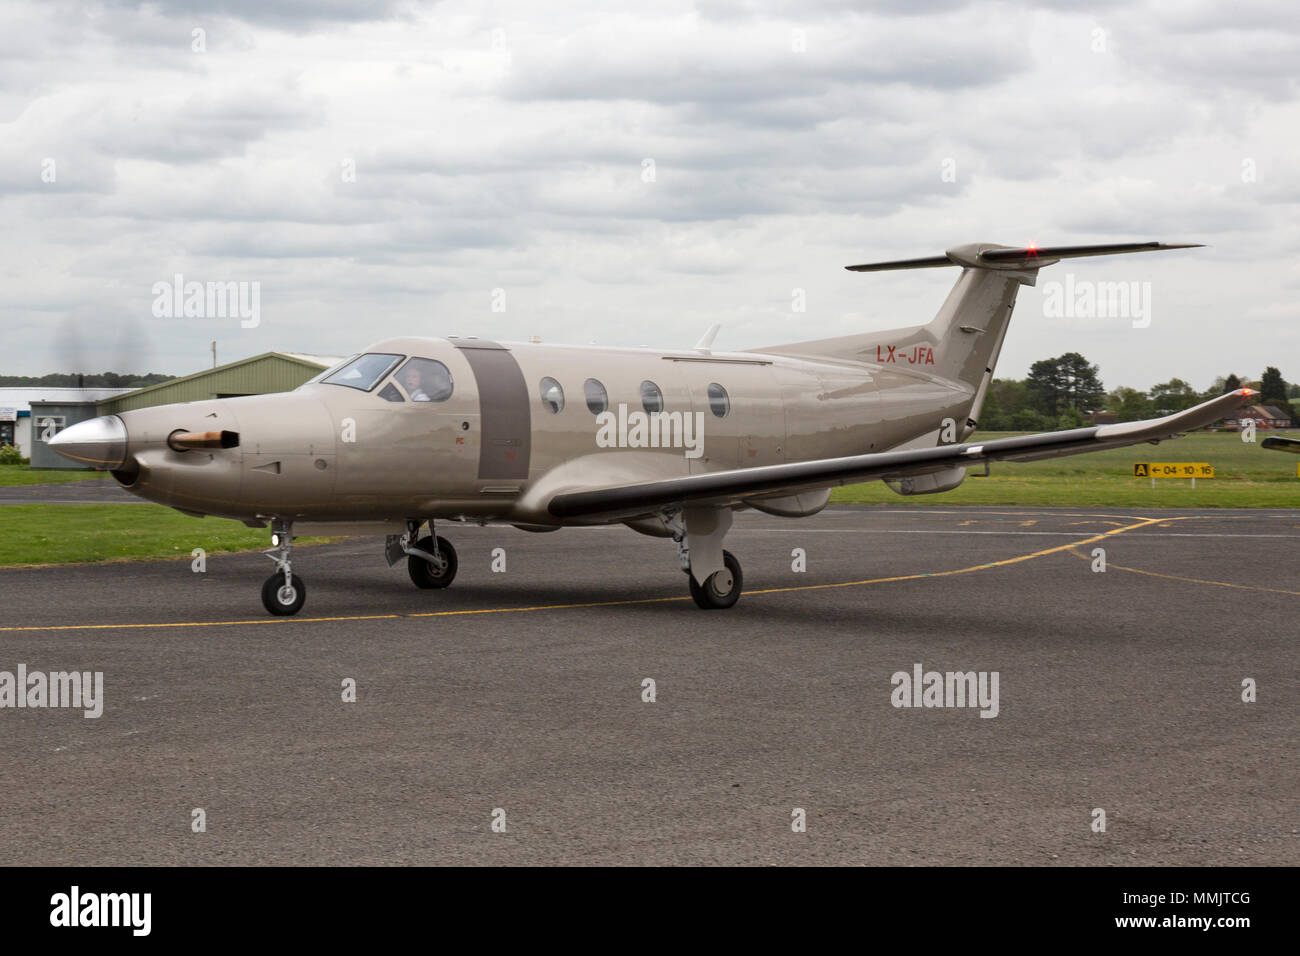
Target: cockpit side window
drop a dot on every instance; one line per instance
(365, 371)
(425, 380)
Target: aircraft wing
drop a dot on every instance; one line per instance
(728, 487)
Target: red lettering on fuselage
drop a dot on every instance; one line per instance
(920, 355)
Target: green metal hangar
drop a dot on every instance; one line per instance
(259, 375)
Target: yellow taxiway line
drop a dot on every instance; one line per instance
(1142, 523)
(1176, 577)
(975, 567)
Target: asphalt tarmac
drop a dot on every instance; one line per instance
(517, 696)
(90, 491)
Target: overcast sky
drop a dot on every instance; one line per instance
(380, 168)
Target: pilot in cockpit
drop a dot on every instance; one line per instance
(414, 383)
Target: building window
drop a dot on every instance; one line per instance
(719, 402)
(597, 397)
(652, 399)
(425, 380)
(552, 395)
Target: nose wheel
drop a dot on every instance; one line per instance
(283, 597)
(283, 593)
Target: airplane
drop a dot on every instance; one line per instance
(415, 431)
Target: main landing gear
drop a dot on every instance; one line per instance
(283, 593)
(430, 560)
(722, 588)
(436, 567)
(715, 577)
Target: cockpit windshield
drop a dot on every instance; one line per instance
(365, 371)
(327, 372)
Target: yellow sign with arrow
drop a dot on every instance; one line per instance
(1173, 469)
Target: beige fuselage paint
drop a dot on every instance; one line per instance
(332, 453)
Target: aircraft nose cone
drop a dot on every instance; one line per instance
(100, 442)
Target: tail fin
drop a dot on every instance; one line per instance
(963, 340)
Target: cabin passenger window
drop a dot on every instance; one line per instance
(425, 380)
(719, 402)
(597, 397)
(552, 395)
(652, 400)
(365, 371)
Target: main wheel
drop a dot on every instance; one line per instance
(722, 588)
(432, 574)
(282, 599)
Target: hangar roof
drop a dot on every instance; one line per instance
(256, 375)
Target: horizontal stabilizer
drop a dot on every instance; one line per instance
(988, 256)
(931, 262)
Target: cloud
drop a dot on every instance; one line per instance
(295, 15)
(632, 177)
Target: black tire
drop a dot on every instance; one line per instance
(427, 575)
(707, 596)
(279, 601)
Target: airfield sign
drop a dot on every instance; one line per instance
(1172, 469)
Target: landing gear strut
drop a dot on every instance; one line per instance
(283, 593)
(715, 577)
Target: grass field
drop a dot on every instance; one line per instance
(70, 534)
(1246, 476)
(22, 475)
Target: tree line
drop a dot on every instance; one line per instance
(79, 380)
(1060, 392)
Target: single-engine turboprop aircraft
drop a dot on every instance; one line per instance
(670, 443)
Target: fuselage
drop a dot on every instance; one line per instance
(507, 426)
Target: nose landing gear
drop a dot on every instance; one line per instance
(283, 593)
